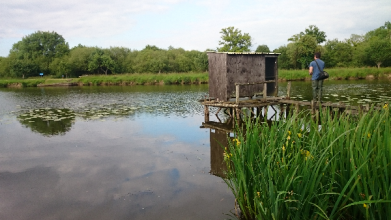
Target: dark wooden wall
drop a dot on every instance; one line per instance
(217, 75)
(245, 69)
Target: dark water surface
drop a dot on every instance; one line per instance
(134, 152)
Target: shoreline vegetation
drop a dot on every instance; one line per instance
(297, 169)
(184, 78)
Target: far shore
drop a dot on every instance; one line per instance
(186, 78)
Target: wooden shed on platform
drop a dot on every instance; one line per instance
(228, 68)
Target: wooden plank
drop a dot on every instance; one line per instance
(254, 83)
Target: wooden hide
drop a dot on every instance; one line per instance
(226, 69)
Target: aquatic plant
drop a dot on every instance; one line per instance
(333, 167)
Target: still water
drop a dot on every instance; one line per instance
(134, 152)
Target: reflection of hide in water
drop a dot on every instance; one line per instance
(219, 137)
(218, 141)
(220, 134)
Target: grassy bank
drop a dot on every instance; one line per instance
(295, 169)
(338, 73)
(123, 79)
(145, 79)
(189, 78)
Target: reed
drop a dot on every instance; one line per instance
(298, 169)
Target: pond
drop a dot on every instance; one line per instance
(133, 152)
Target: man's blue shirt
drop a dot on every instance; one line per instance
(315, 69)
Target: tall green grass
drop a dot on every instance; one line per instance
(20, 82)
(123, 79)
(336, 73)
(298, 169)
(143, 79)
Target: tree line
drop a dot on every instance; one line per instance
(370, 49)
(49, 53)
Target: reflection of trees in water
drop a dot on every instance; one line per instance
(48, 121)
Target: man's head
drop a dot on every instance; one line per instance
(317, 55)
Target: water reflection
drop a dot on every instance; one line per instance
(111, 153)
(220, 133)
(350, 92)
(48, 121)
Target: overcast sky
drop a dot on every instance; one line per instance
(190, 24)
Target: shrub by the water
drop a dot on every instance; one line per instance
(337, 167)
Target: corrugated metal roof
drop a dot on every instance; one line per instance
(244, 53)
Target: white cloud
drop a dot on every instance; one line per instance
(189, 24)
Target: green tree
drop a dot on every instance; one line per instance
(304, 45)
(100, 60)
(355, 40)
(383, 32)
(119, 54)
(234, 41)
(40, 48)
(376, 46)
(4, 66)
(338, 53)
(379, 51)
(313, 31)
(78, 60)
(263, 48)
(151, 47)
(21, 67)
(302, 51)
(284, 61)
(201, 62)
(60, 67)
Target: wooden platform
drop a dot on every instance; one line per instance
(257, 104)
(253, 103)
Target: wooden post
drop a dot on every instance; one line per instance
(237, 94)
(312, 107)
(206, 112)
(281, 110)
(264, 91)
(237, 114)
(297, 108)
(287, 110)
(289, 90)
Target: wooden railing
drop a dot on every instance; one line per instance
(254, 83)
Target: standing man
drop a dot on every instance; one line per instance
(317, 85)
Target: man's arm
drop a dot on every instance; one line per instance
(310, 70)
